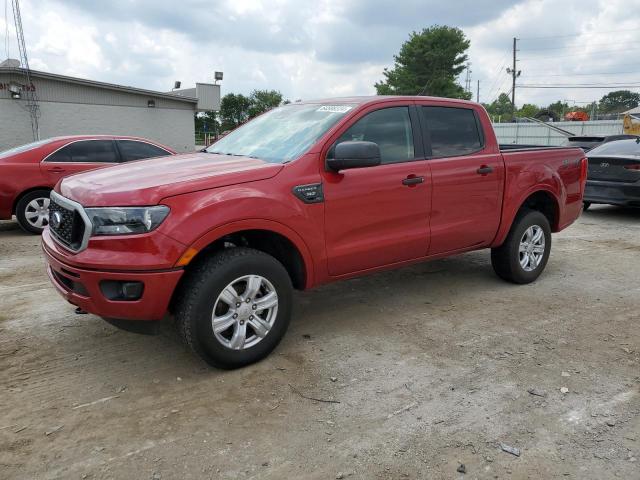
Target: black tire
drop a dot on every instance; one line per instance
(199, 293)
(23, 209)
(506, 258)
(585, 206)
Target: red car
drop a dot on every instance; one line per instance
(302, 195)
(28, 173)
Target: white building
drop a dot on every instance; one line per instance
(75, 106)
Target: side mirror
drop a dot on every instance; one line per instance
(354, 155)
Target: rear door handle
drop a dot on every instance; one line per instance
(412, 180)
(484, 170)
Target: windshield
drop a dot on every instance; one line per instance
(282, 134)
(23, 148)
(619, 147)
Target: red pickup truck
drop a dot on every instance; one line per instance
(305, 194)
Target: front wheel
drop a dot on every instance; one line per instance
(234, 307)
(32, 211)
(525, 252)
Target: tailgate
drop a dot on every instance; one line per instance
(614, 169)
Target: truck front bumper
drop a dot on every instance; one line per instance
(94, 290)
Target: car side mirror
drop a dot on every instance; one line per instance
(354, 155)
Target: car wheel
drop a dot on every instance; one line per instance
(32, 211)
(234, 307)
(525, 252)
(585, 206)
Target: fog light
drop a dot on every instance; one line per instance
(121, 290)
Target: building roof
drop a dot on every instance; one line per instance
(633, 111)
(96, 84)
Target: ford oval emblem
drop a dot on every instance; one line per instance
(56, 219)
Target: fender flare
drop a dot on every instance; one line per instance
(260, 224)
(508, 218)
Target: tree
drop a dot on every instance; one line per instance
(528, 110)
(263, 100)
(234, 110)
(428, 64)
(619, 101)
(501, 108)
(207, 121)
(559, 108)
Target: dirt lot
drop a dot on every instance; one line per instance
(431, 366)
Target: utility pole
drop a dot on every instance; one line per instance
(478, 93)
(467, 82)
(515, 73)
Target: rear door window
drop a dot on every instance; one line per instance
(86, 151)
(134, 150)
(453, 131)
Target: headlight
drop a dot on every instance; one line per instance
(126, 220)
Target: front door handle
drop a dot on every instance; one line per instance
(56, 170)
(484, 170)
(412, 180)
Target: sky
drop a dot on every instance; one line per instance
(325, 48)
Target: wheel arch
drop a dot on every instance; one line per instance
(541, 200)
(270, 237)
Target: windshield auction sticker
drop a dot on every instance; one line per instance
(335, 108)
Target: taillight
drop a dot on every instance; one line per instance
(584, 169)
(633, 167)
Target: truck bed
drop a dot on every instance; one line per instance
(521, 146)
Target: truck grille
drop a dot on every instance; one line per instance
(66, 225)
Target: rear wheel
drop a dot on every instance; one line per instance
(32, 211)
(234, 307)
(524, 254)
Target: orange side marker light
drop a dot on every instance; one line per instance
(186, 257)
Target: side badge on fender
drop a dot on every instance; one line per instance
(311, 193)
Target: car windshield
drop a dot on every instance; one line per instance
(282, 134)
(23, 148)
(618, 147)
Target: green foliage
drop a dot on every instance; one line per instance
(500, 108)
(263, 100)
(559, 108)
(234, 110)
(527, 110)
(619, 101)
(428, 64)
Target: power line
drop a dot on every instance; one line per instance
(592, 32)
(571, 46)
(498, 76)
(586, 53)
(570, 74)
(6, 27)
(609, 86)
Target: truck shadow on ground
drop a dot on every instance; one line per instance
(326, 312)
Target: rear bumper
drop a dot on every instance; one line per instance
(613, 193)
(81, 287)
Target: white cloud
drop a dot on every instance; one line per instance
(310, 49)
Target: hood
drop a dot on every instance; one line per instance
(147, 182)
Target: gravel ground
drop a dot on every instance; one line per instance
(406, 374)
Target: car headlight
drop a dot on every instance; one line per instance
(126, 220)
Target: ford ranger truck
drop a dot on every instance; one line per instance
(305, 194)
